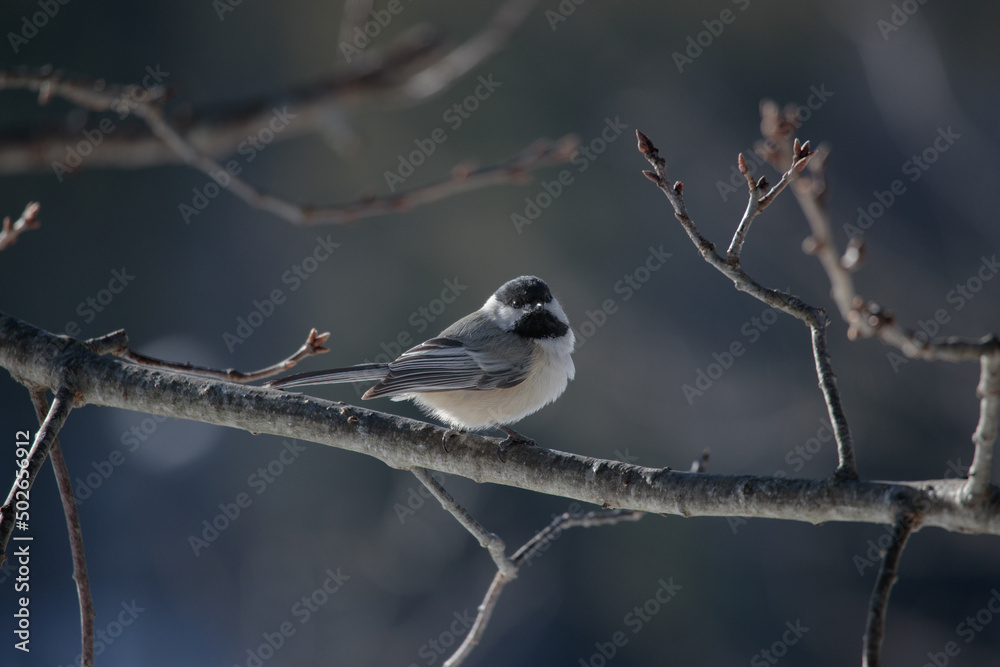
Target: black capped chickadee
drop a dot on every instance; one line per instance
(489, 369)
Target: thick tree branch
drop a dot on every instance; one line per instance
(875, 628)
(48, 360)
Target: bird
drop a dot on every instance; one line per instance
(489, 369)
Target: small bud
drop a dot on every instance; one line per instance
(742, 163)
(645, 145)
(651, 175)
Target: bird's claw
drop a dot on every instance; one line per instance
(448, 435)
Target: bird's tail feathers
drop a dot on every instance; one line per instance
(359, 373)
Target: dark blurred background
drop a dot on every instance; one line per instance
(407, 578)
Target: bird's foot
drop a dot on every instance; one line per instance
(449, 434)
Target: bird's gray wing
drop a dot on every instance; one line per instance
(446, 364)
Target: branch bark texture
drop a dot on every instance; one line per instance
(41, 358)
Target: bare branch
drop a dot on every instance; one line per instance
(25, 478)
(879, 601)
(483, 616)
(80, 574)
(28, 220)
(865, 319)
(524, 554)
(986, 430)
(435, 78)
(145, 104)
(761, 197)
(813, 317)
(489, 541)
(48, 360)
(117, 343)
(565, 521)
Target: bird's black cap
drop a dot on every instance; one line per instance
(526, 289)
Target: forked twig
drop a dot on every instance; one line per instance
(117, 343)
(814, 318)
(507, 568)
(80, 573)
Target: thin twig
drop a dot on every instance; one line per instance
(217, 131)
(524, 554)
(865, 319)
(28, 220)
(25, 478)
(761, 197)
(489, 541)
(80, 575)
(483, 615)
(813, 317)
(312, 346)
(846, 467)
(565, 521)
(879, 601)
(466, 57)
(986, 430)
(137, 102)
(700, 464)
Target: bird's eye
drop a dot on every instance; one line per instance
(517, 303)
